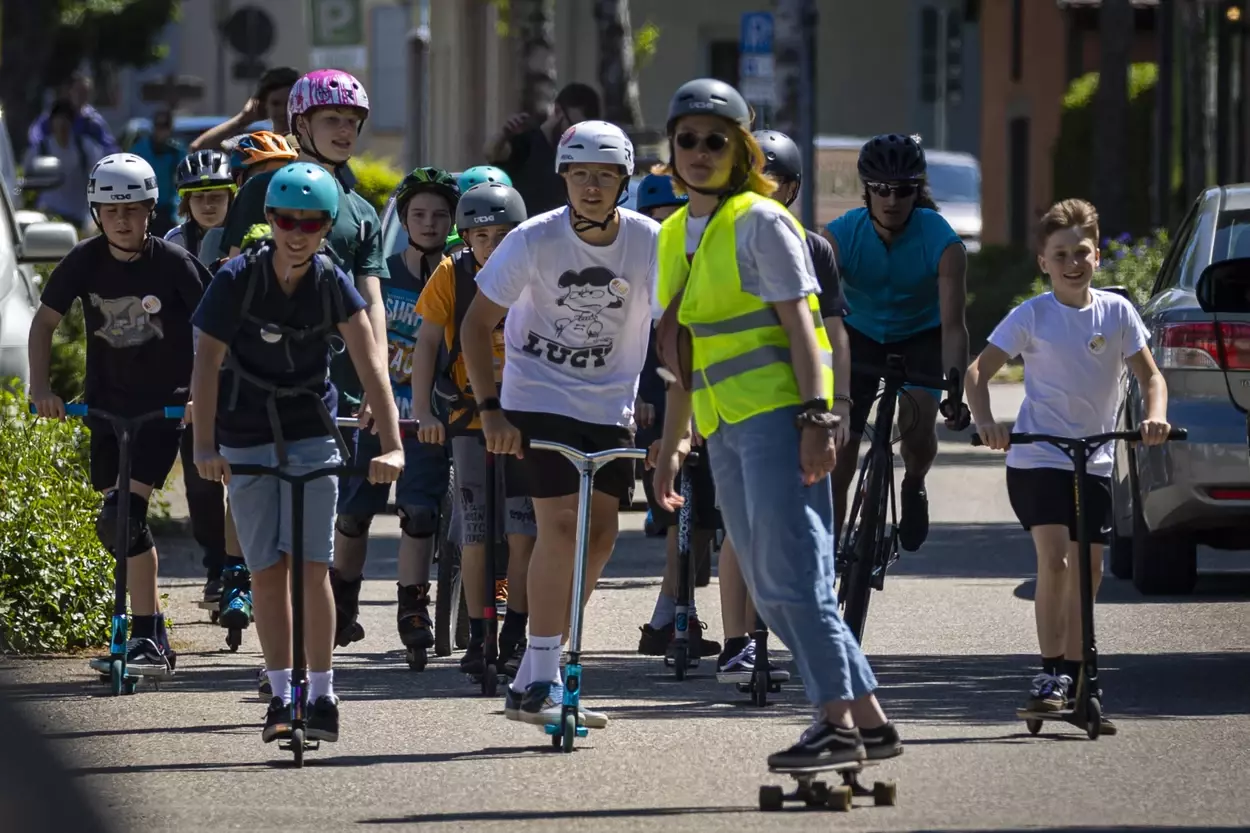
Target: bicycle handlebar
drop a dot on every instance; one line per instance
(1096, 439)
(904, 376)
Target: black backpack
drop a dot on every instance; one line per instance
(456, 407)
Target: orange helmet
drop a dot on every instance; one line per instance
(261, 146)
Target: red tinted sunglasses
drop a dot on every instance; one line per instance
(288, 223)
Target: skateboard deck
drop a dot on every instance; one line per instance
(777, 675)
(814, 792)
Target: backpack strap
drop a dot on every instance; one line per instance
(465, 269)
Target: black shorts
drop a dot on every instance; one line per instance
(546, 474)
(1042, 497)
(922, 353)
(153, 451)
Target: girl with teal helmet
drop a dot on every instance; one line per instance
(483, 173)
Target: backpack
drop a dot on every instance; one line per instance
(456, 407)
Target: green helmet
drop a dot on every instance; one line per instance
(483, 173)
(453, 240)
(434, 180)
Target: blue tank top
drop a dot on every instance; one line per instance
(892, 293)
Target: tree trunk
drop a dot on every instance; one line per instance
(1115, 39)
(787, 69)
(25, 47)
(535, 24)
(617, 74)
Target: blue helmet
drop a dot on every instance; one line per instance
(656, 191)
(303, 186)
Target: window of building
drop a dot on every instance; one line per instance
(723, 61)
(388, 67)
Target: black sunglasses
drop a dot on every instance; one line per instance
(898, 189)
(714, 142)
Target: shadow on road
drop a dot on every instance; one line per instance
(1211, 587)
(543, 815)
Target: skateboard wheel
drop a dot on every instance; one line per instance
(1093, 719)
(772, 798)
(297, 747)
(839, 799)
(1033, 725)
(884, 793)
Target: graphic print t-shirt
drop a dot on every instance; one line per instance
(138, 317)
(400, 295)
(578, 317)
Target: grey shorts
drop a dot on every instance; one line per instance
(517, 513)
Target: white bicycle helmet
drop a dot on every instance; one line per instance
(595, 141)
(119, 178)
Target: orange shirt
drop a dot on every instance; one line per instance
(437, 305)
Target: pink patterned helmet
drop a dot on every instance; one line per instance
(326, 88)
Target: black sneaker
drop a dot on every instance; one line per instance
(1049, 693)
(654, 642)
(323, 719)
(882, 742)
(145, 658)
(212, 589)
(473, 662)
(511, 652)
(738, 657)
(277, 721)
(512, 703)
(913, 527)
(821, 745)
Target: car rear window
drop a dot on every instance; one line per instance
(1232, 236)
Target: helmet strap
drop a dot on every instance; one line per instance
(143, 244)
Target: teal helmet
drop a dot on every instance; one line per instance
(656, 191)
(483, 173)
(303, 186)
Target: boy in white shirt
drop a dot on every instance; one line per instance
(576, 284)
(1075, 341)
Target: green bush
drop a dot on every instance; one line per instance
(1073, 149)
(376, 179)
(997, 275)
(56, 580)
(1126, 262)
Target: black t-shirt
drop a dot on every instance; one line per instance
(832, 301)
(287, 361)
(138, 314)
(532, 168)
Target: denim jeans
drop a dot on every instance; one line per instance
(783, 534)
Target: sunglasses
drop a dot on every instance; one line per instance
(714, 142)
(901, 190)
(288, 223)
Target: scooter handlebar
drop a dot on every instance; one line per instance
(1097, 439)
(81, 409)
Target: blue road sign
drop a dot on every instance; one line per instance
(757, 34)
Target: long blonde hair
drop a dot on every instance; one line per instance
(748, 167)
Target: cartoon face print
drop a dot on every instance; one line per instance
(586, 294)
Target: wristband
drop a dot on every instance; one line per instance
(820, 405)
(489, 404)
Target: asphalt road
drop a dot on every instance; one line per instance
(951, 640)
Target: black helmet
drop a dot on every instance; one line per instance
(489, 204)
(202, 171)
(891, 157)
(781, 155)
(708, 97)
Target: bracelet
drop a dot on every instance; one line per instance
(489, 404)
(842, 397)
(820, 405)
(817, 419)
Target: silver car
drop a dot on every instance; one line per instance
(1169, 499)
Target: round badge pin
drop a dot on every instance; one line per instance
(1097, 344)
(270, 334)
(151, 304)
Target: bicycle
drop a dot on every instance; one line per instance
(867, 551)
(1087, 704)
(120, 679)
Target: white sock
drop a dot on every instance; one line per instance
(320, 684)
(524, 672)
(665, 611)
(545, 665)
(280, 683)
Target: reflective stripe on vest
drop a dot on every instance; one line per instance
(740, 351)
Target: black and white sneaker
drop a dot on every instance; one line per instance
(1048, 693)
(512, 703)
(277, 721)
(739, 667)
(323, 719)
(821, 745)
(882, 743)
(144, 658)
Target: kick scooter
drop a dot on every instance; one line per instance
(679, 656)
(587, 464)
(491, 669)
(1086, 709)
(121, 679)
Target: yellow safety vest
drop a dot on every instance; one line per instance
(741, 353)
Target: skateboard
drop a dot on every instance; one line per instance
(816, 793)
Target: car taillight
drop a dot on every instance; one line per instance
(1229, 494)
(1192, 345)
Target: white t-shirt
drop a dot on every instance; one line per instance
(579, 316)
(1073, 360)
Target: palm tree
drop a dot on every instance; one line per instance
(535, 23)
(617, 73)
(1115, 39)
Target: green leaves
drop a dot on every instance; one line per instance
(376, 179)
(56, 580)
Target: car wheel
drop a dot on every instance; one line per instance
(1120, 556)
(1164, 563)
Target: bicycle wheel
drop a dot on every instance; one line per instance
(447, 598)
(867, 543)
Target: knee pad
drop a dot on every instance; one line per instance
(140, 540)
(353, 526)
(418, 521)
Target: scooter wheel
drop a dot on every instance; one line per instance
(1093, 719)
(234, 638)
(129, 685)
(759, 690)
(1033, 725)
(417, 659)
(490, 681)
(297, 747)
(680, 662)
(569, 734)
(214, 616)
(116, 677)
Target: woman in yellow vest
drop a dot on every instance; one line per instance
(742, 337)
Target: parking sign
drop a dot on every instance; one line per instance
(755, 59)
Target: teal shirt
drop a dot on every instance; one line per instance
(355, 240)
